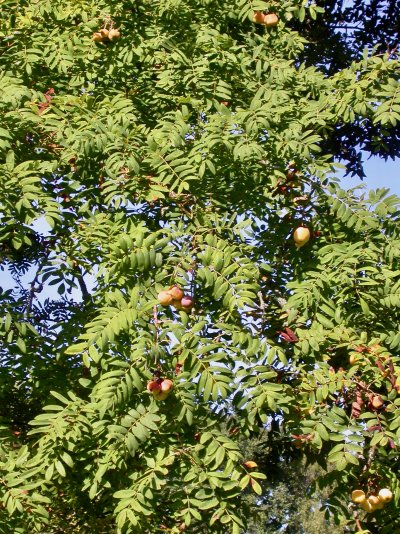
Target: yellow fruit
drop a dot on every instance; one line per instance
(378, 506)
(385, 495)
(160, 395)
(358, 496)
(377, 402)
(97, 37)
(353, 359)
(250, 464)
(177, 304)
(301, 236)
(164, 298)
(367, 506)
(167, 385)
(258, 17)
(271, 20)
(114, 35)
(374, 500)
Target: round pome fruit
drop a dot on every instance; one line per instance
(367, 506)
(377, 402)
(353, 359)
(374, 500)
(176, 304)
(165, 298)
(301, 236)
(271, 20)
(258, 17)
(167, 385)
(164, 390)
(114, 34)
(153, 385)
(358, 496)
(385, 495)
(176, 292)
(187, 302)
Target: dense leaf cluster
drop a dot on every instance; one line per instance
(186, 152)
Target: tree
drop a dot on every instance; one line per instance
(344, 31)
(179, 143)
(288, 503)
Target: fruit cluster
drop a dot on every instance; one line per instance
(372, 502)
(105, 36)
(175, 296)
(267, 19)
(160, 388)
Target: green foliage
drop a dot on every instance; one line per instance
(186, 152)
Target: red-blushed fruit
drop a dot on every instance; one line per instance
(250, 464)
(165, 387)
(301, 236)
(271, 20)
(187, 302)
(258, 17)
(176, 292)
(104, 33)
(385, 495)
(164, 298)
(153, 385)
(358, 496)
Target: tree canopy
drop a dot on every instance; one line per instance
(153, 146)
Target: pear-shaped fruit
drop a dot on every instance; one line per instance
(187, 302)
(176, 292)
(301, 236)
(377, 402)
(385, 495)
(374, 500)
(160, 395)
(153, 385)
(271, 20)
(358, 496)
(114, 34)
(258, 17)
(177, 304)
(164, 298)
(367, 506)
(166, 386)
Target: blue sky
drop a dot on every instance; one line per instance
(379, 173)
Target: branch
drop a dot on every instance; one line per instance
(81, 282)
